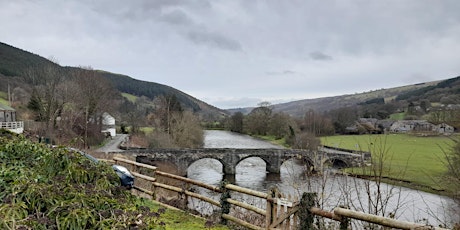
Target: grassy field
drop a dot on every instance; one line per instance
(397, 116)
(406, 157)
(3, 101)
(3, 98)
(130, 97)
(177, 219)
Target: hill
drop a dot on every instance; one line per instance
(126, 84)
(298, 108)
(14, 62)
(437, 92)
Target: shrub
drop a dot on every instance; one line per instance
(53, 188)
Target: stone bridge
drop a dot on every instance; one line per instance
(229, 158)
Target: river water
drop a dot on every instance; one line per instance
(332, 189)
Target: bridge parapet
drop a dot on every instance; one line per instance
(230, 158)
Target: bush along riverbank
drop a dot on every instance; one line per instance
(52, 188)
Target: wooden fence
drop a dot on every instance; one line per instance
(280, 212)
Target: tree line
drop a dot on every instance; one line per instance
(264, 121)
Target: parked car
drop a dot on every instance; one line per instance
(126, 178)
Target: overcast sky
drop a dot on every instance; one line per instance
(237, 53)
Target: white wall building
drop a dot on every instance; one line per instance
(8, 120)
(108, 124)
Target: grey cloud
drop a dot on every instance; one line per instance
(213, 40)
(284, 72)
(177, 17)
(417, 77)
(157, 4)
(320, 56)
(144, 9)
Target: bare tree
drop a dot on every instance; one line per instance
(317, 124)
(165, 108)
(257, 121)
(47, 98)
(372, 195)
(452, 182)
(236, 122)
(279, 125)
(92, 96)
(186, 130)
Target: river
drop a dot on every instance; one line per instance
(333, 189)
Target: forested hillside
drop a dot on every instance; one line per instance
(67, 105)
(445, 92)
(14, 63)
(298, 108)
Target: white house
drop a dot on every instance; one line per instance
(8, 120)
(405, 126)
(108, 124)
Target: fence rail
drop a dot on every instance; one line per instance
(280, 212)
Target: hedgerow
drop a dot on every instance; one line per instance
(53, 188)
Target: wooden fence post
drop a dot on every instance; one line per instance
(225, 206)
(269, 216)
(344, 223)
(306, 218)
(152, 184)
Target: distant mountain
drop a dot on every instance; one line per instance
(14, 62)
(434, 91)
(299, 108)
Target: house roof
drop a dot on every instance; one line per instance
(413, 122)
(6, 108)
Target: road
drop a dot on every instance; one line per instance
(112, 145)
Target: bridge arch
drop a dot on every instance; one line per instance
(336, 163)
(304, 160)
(196, 163)
(268, 165)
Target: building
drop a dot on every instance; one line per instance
(108, 125)
(444, 128)
(420, 126)
(8, 120)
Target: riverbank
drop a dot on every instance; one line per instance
(407, 160)
(410, 161)
(413, 205)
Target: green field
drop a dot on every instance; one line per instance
(406, 157)
(397, 116)
(3, 98)
(3, 101)
(130, 97)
